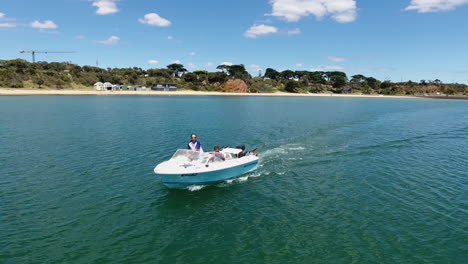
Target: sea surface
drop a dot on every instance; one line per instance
(340, 180)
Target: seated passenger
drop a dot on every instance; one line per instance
(217, 154)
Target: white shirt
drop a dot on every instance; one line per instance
(194, 145)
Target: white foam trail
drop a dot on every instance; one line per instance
(194, 188)
(275, 151)
(283, 149)
(256, 174)
(226, 183)
(297, 148)
(243, 179)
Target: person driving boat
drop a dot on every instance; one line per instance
(194, 144)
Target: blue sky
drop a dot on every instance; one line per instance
(387, 39)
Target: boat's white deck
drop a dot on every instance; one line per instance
(187, 162)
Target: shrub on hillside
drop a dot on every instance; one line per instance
(235, 86)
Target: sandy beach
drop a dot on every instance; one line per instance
(24, 92)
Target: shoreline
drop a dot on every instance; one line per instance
(27, 92)
(69, 92)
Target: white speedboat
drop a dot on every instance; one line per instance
(187, 167)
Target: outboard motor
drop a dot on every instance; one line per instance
(242, 153)
(254, 152)
(241, 147)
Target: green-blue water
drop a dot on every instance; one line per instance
(341, 180)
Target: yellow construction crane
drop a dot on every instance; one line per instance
(33, 52)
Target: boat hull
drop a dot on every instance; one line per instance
(180, 181)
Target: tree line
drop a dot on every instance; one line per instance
(19, 73)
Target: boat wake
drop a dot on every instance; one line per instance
(268, 158)
(195, 188)
(244, 178)
(227, 183)
(283, 149)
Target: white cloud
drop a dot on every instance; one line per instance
(170, 37)
(227, 63)
(192, 53)
(113, 40)
(4, 18)
(353, 69)
(191, 65)
(329, 68)
(294, 32)
(335, 59)
(255, 67)
(7, 25)
(154, 19)
(425, 6)
(209, 64)
(342, 11)
(105, 7)
(176, 61)
(153, 62)
(257, 30)
(379, 69)
(299, 65)
(48, 24)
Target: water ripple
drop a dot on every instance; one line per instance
(339, 181)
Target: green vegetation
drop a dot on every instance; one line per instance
(22, 74)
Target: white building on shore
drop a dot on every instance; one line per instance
(99, 86)
(108, 86)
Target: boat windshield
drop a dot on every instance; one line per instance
(187, 153)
